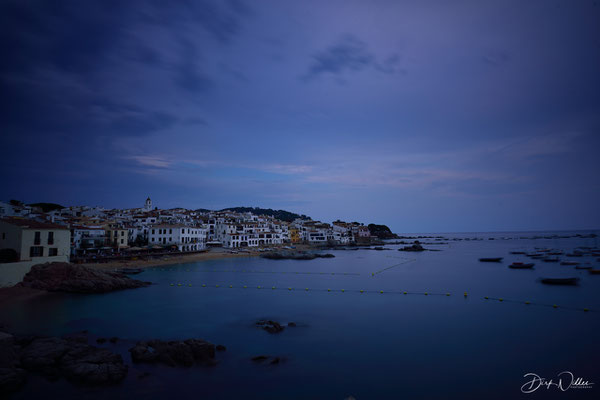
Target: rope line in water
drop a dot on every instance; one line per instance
(250, 271)
(366, 291)
(393, 266)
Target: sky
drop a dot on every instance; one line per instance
(426, 116)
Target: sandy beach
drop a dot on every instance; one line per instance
(213, 254)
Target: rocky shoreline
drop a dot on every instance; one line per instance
(73, 278)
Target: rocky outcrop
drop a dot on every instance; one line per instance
(415, 247)
(55, 358)
(270, 326)
(174, 353)
(289, 255)
(72, 278)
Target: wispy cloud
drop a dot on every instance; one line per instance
(348, 54)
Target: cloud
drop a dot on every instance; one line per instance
(348, 54)
(151, 161)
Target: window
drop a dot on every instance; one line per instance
(50, 237)
(183, 231)
(170, 231)
(36, 251)
(153, 231)
(52, 252)
(3, 235)
(122, 241)
(122, 234)
(37, 239)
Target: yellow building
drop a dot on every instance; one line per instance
(294, 235)
(116, 237)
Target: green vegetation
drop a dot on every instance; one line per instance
(279, 214)
(47, 207)
(381, 231)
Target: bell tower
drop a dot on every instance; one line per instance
(148, 205)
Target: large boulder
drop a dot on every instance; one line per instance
(76, 361)
(65, 277)
(12, 377)
(270, 326)
(174, 353)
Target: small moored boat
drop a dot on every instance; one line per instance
(130, 271)
(594, 271)
(583, 267)
(569, 263)
(560, 281)
(520, 265)
(550, 259)
(491, 259)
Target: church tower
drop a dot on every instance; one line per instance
(148, 205)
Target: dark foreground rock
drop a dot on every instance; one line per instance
(54, 358)
(270, 326)
(72, 278)
(289, 255)
(174, 353)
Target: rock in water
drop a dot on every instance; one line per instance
(174, 353)
(72, 278)
(270, 326)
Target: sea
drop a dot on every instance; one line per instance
(370, 324)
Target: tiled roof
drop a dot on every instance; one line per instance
(26, 223)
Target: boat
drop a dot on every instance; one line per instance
(517, 252)
(569, 263)
(550, 259)
(130, 271)
(560, 281)
(520, 265)
(594, 271)
(583, 267)
(491, 259)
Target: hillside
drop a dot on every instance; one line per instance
(279, 214)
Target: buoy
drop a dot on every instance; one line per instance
(362, 291)
(500, 299)
(486, 297)
(258, 287)
(465, 294)
(172, 284)
(342, 290)
(555, 306)
(527, 302)
(289, 288)
(447, 294)
(190, 285)
(306, 289)
(586, 309)
(204, 285)
(373, 274)
(404, 292)
(425, 293)
(216, 285)
(245, 287)
(179, 284)
(381, 291)
(329, 290)
(230, 286)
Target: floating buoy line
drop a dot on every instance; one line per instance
(385, 292)
(254, 271)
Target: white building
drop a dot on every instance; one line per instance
(148, 205)
(186, 238)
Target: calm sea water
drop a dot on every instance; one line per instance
(369, 345)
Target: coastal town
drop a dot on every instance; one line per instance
(84, 234)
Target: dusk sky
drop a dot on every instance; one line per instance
(428, 116)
